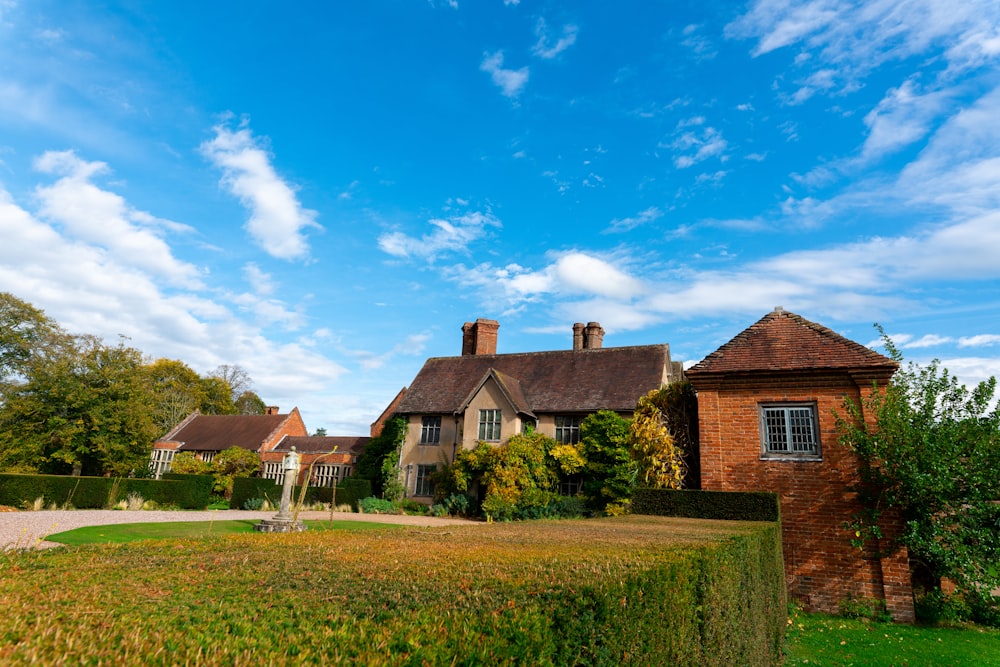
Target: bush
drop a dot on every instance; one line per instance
(727, 505)
(372, 505)
(186, 491)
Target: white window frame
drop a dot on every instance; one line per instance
(430, 430)
(422, 485)
(790, 432)
(160, 461)
(272, 470)
(490, 420)
(568, 429)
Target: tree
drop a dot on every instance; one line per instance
(249, 403)
(929, 451)
(25, 335)
(177, 390)
(657, 452)
(236, 377)
(611, 471)
(85, 408)
(186, 463)
(379, 462)
(230, 464)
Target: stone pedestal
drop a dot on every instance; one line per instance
(277, 525)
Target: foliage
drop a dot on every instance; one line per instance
(236, 379)
(385, 446)
(26, 333)
(231, 463)
(83, 407)
(249, 403)
(178, 391)
(696, 504)
(611, 471)
(377, 506)
(187, 491)
(186, 463)
(636, 591)
(930, 453)
(658, 454)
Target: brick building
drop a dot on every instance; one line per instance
(766, 403)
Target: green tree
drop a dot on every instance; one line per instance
(929, 452)
(380, 460)
(230, 464)
(85, 409)
(25, 334)
(249, 403)
(177, 392)
(611, 471)
(217, 397)
(187, 463)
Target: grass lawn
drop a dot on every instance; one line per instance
(121, 533)
(818, 640)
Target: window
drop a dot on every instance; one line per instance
(207, 457)
(571, 486)
(430, 431)
(160, 461)
(424, 486)
(789, 431)
(568, 429)
(324, 474)
(489, 425)
(272, 470)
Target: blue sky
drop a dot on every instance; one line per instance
(323, 193)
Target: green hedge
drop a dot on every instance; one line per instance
(726, 505)
(349, 492)
(97, 492)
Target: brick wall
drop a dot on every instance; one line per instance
(821, 566)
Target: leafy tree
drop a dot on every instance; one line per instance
(249, 403)
(85, 409)
(658, 451)
(25, 333)
(187, 463)
(372, 464)
(177, 392)
(611, 471)
(929, 452)
(320, 432)
(230, 464)
(217, 397)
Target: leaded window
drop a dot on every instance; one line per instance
(568, 429)
(430, 430)
(789, 431)
(489, 425)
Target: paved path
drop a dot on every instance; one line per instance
(27, 530)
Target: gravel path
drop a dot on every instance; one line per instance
(27, 530)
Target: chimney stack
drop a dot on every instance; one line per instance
(271, 410)
(480, 337)
(593, 336)
(578, 336)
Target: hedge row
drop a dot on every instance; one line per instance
(731, 506)
(634, 590)
(349, 492)
(184, 491)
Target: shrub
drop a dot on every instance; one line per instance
(372, 505)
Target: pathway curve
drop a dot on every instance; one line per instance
(27, 530)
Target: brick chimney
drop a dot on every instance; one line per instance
(578, 335)
(480, 337)
(272, 410)
(593, 336)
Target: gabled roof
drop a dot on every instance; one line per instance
(218, 432)
(322, 444)
(563, 381)
(510, 387)
(781, 342)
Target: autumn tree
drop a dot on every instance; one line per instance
(660, 435)
(249, 403)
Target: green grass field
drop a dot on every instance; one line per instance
(122, 533)
(818, 640)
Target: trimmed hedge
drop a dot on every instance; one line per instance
(349, 491)
(634, 590)
(725, 505)
(97, 492)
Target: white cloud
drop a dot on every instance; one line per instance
(277, 219)
(452, 235)
(104, 220)
(511, 82)
(413, 346)
(697, 145)
(903, 117)
(651, 214)
(981, 340)
(544, 48)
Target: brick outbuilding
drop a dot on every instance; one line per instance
(766, 404)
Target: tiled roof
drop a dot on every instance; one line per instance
(219, 432)
(321, 444)
(610, 378)
(784, 341)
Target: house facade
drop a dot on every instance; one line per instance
(326, 460)
(480, 396)
(767, 405)
(207, 435)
